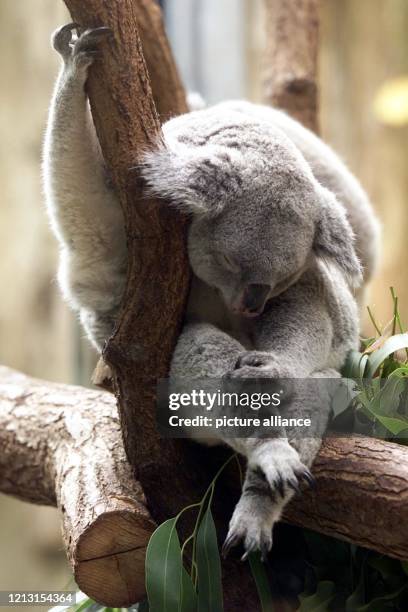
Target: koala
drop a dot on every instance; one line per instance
(282, 242)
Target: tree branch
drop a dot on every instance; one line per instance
(290, 63)
(361, 495)
(127, 124)
(61, 445)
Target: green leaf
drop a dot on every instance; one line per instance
(164, 568)
(390, 571)
(395, 343)
(385, 403)
(189, 600)
(352, 365)
(86, 604)
(395, 426)
(401, 371)
(362, 366)
(319, 601)
(262, 582)
(208, 566)
(343, 396)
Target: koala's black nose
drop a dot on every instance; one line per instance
(254, 298)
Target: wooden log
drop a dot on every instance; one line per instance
(290, 59)
(361, 495)
(61, 446)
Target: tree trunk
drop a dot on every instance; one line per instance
(61, 445)
(290, 63)
(173, 473)
(127, 124)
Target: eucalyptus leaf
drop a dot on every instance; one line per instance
(375, 360)
(384, 405)
(394, 425)
(262, 582)
(208, 566)
(164, 569)
(389, 569)
(343, 396)
(87, 605)
(351, 367)
(362, 365)
(189, 600)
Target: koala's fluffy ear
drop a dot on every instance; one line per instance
(334, 238)
(197, 180)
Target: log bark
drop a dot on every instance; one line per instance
(127, 124)
(61, 446)
(290, 61)
(361, 495)
(168, 90)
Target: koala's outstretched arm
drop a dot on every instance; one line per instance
(261, 504)
(305, 331)
(84, 211)
(274, 465)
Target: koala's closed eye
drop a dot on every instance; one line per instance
(227, 262)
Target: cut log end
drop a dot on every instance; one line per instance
(109, 565)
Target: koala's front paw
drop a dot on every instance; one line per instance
(279, 463)
(260, 364)
(251, 524)
(274, 473)
(79, 49)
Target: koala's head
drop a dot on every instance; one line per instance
(259, 217)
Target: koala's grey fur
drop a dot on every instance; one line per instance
(274, 211)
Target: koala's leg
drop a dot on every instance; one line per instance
(83, 208)
(273, 472)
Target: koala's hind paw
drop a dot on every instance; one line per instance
(76, 48)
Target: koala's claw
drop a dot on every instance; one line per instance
(281, 467)
(308, 477)
(62, 38)
(255, 533)
(231, 540)
(81, 48)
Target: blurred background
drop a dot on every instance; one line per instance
(218, 45)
